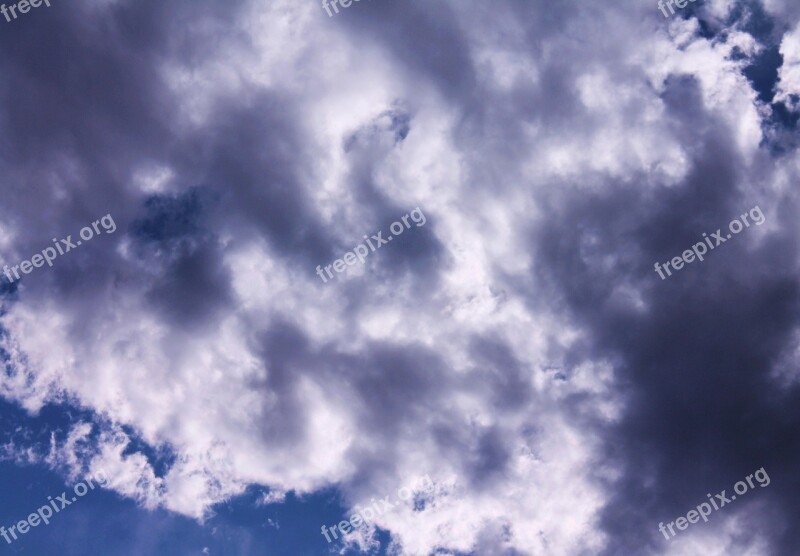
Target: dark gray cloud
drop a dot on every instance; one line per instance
(704, 410)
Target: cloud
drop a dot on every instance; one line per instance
(518, 348)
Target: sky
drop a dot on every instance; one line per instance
(402, 277)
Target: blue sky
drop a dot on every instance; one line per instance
(242, 525)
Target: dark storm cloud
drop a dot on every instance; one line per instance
(424, 36)
(502, 373)
(395, 385)
(83, 104)
(87, 82)
(172, 238)
(253, 153)
(194, 288)
(695, 361)
(284, 348)
(398, 384)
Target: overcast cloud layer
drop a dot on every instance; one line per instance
(518, 347)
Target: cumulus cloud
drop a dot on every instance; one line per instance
(518, 348)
